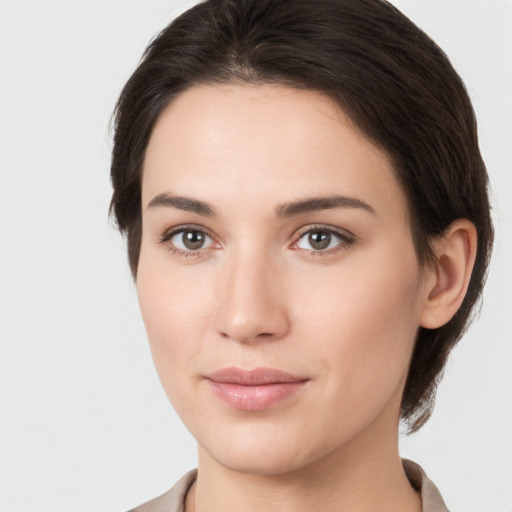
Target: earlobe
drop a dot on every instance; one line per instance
(448, 279)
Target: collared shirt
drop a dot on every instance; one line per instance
(174, 500)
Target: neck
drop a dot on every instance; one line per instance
(366, 475)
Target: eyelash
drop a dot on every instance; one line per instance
(167, 236)
(345, 240)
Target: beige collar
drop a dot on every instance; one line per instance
(174, 500)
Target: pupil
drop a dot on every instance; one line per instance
(319, 240)
(193, 239)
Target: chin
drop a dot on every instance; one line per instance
(270, 463)
(261, 450)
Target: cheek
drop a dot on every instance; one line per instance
(175, 310)
(363, 324)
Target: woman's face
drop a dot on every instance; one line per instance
(278, 280)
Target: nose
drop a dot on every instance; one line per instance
(251, 305)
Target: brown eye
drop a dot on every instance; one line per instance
(319, 240)
(190, 240)
(322, 240)
(193, 240)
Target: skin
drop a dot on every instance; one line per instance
(257, 293)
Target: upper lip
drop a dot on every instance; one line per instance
(254, 377)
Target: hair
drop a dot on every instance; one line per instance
(389, 77)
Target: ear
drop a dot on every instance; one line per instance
(447, 281)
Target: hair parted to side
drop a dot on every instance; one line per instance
(391, 79)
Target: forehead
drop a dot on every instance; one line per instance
(256, 141)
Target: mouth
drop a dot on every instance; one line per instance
(254, 390)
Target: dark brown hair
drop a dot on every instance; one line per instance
(393, 81)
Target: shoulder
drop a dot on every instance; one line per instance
(173, 500)
(430, 495)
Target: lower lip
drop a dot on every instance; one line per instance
(257, 397)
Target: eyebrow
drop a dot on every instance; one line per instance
(315, 204)
(291, 209)
(182, 203)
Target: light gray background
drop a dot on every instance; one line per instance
(84, 424)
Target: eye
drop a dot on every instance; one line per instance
(189, 240)
(322, 240)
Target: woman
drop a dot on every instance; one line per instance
(308, 225)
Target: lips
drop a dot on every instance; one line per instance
(254, 390)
